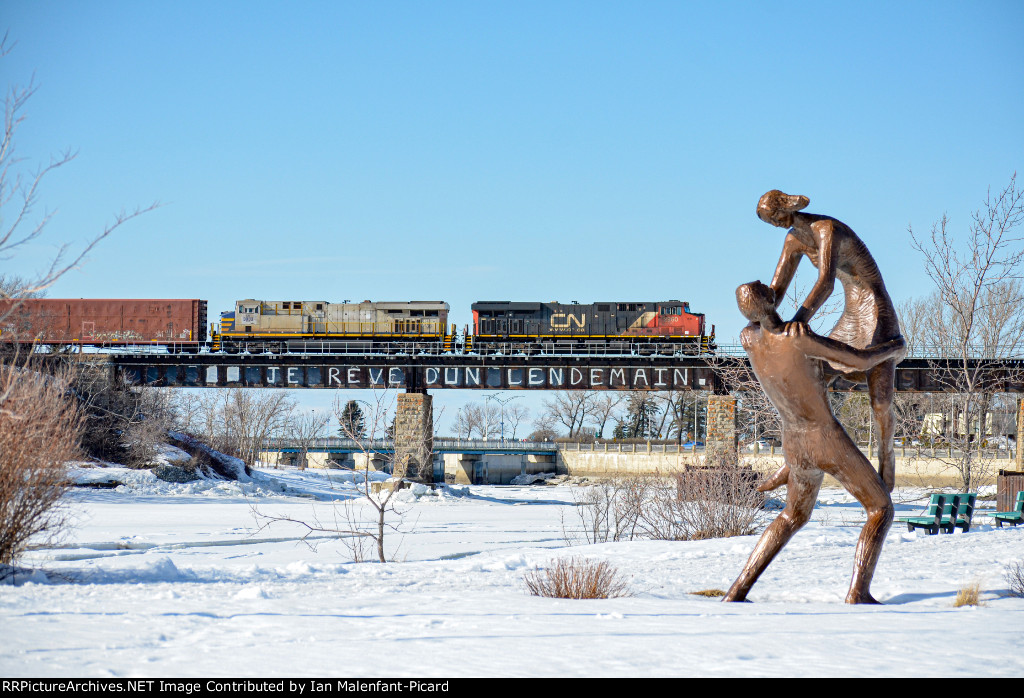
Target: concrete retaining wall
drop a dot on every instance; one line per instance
(493, 468)
(499, 469)
(910, 471)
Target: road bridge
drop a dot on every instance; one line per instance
(387, 446)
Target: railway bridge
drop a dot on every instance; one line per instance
(414, 376)
(425, 372)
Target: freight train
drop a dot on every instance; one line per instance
(259, 326)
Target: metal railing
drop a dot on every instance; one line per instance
(388, 445)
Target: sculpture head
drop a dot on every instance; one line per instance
(756, 301)
(778, 208)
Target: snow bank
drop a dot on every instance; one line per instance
(225, 465)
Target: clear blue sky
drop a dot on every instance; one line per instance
(523, 151)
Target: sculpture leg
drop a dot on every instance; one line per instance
(857, 475)
(881, 387)
(801, 495)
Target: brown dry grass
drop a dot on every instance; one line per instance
(710, 593)
(577, 578)
(968, 595)
(39, 432)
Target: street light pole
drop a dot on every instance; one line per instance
(494, 396)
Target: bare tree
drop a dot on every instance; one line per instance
(913, 314)
(489, 420)
(516, 414)
(361, 539)
(570, 408)
(477, 419)
(237, 421)
(545, 428)
(605, 410)
(253, 416)
(682, 415)
(13, 286)
(976, 311)
(381, 500)
(466, 420)
(305, 428)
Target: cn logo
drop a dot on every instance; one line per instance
(564, 321)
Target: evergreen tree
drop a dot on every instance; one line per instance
(352, 424)
(641, 411)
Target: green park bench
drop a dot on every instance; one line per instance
(964, 503)
(945, 512)
(1011, 517)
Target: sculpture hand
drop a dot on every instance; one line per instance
(795, 329)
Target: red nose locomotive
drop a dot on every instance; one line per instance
(612, 328)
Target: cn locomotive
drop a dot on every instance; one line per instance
(609, 328)
(260, 326)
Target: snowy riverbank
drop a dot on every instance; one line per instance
(162, 579)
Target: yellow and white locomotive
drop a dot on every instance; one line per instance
(258, 326)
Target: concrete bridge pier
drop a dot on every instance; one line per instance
(495, 468)
(414, 437)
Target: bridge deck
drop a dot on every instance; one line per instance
(431, 372)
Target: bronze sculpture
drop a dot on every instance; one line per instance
(868, 317)
(789, 361)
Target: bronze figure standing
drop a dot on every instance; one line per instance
(789, 361)
(868, 319)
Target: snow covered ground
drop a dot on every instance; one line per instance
(160, 579)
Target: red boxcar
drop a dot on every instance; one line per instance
(103, 321)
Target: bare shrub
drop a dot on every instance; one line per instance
(577, 578)
(1015, 578)
(706, 502)
(236, 421)
(968, 595)
(692, 504)
(39, 432)
(608, 510)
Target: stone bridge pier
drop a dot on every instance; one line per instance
(721, 443)
(414, 437)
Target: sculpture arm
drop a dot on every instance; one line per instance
(843, 354)
(823, 287)
(785, 270)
